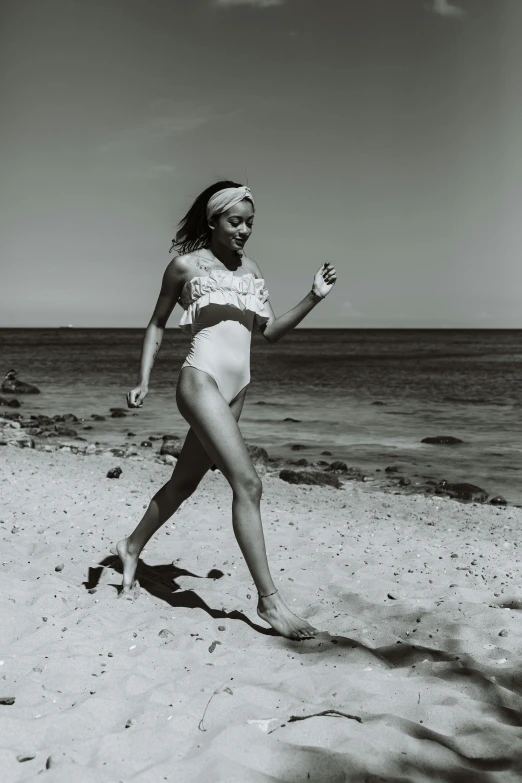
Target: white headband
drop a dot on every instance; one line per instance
(224, 199)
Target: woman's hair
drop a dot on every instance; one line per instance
(193, 231)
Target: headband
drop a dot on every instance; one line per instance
(224, 199)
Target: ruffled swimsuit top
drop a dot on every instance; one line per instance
(222, 287)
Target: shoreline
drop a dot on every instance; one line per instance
(60, 432)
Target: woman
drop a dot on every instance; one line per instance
(223, 293)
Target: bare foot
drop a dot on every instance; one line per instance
(130, 563)
(276, 613)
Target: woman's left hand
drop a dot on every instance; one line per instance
(324, 280)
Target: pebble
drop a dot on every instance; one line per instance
(59, 567)
(7, 700)
(503, 632)
(25, 757)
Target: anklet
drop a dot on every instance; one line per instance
(267, 596)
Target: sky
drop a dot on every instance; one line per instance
(382, 135)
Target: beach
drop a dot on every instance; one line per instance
(415, 675)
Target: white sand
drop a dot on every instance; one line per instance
(114, 690)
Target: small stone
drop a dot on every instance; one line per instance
(7, 700)
(221, 628)
(25, 757)
(59, 567)
(503, 632)
(213, 647)
(392, 597)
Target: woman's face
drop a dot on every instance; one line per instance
(233, 227)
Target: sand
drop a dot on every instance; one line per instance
(419, 601)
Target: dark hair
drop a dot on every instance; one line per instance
(193, 231)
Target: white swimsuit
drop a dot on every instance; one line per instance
(219, 313)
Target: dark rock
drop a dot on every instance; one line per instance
(88, 427)
(10, 403)
(12, 416)
(322, 462)
(12, 385)
(378, 402)
(97, 417)
(169, 437)
(317, 477)
(118, 414)
(66, 432)
(498, 500)
(118, 452)
(404, 482)
(301, 461)
(25, 423)
(117, 410)
(146, 443)
(338, 465)
(259, 457)
(66, 417)
(392, 469)
(154, 437)
(464, 491)
(169, 447)
(289, 418)
(326, 453)
(114, 472)
(297, 446)
(442, 440)
(131, 434)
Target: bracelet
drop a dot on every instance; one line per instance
(316, 297)
(267, 596)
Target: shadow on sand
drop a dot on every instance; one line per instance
(160, 581)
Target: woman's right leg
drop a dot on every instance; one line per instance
(204, 408)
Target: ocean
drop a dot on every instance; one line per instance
(369, 396)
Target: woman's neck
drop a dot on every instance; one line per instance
(229, 258)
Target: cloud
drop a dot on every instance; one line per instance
(446, 9)
(164, 120)
(253, 3)
(351, 311)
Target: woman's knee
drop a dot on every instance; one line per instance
(249, 485)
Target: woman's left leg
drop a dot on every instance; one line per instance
(193, 463)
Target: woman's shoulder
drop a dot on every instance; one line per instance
(182, 265)
(252, 266)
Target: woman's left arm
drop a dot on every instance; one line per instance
(277, 326)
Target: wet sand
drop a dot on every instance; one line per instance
(418, 669)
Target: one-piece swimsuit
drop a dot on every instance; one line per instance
(219, 312)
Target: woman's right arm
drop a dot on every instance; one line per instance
(171, 287)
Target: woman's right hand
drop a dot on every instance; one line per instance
(136, 396)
